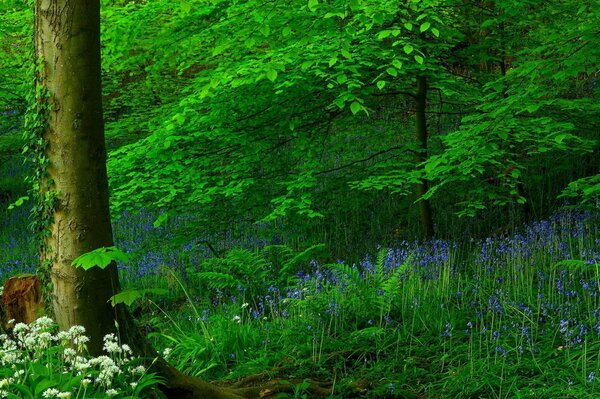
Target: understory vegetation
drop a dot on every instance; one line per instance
(509, 316)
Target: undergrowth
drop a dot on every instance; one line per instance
(507, 317)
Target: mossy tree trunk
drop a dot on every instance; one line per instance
(67, 40)
(68, 52)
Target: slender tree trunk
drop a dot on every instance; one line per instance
(68, 47)
(426, 215)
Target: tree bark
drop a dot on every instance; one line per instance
(425, 212)
(67, 40)
(68, 47)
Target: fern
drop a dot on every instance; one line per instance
(218, 280)
(286, 263)
(350, 273)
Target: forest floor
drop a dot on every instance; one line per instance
(508, 316)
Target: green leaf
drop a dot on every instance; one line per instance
(424, 26)
(355, 107)
(332, 61)
(20, 201)
(408, 26)
(392, 72)
(435, 32)
(408, 48)
(160, 220)
(130, 295)
(265, 29)
(560, 138)
(186, 6)
(384, 34)
(305, 65)
(101, 257)
(381, 84)
(397, 64)
(312, 4)
(419, 59)
(271, 74)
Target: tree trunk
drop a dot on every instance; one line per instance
(21, 300)
(68, 46)
(421, 156)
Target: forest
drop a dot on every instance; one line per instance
(228, 199)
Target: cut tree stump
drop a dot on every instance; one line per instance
(22, 299)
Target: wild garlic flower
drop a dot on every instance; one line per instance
(138, 370)
(112, 392)
(167, 352)
(69, 353)
(51, 393)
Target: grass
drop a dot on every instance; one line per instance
(508, 317)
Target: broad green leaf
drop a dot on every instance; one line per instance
(435, 32)
(272, 74)
(392, 72)
(560, 137)
(305, 65)
(408, 48)
(130, 295)
(312, 4)
(419, 59)
(384, 34)
(186, 6)
(101, 257)
(381, 84)
(424, 26)
(355, 107)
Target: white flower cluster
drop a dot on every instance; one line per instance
(32, 343)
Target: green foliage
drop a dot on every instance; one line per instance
(247, 271)
(586, 189)
(239, 268)
(100, 257)
(39, 362)
(130, 295)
